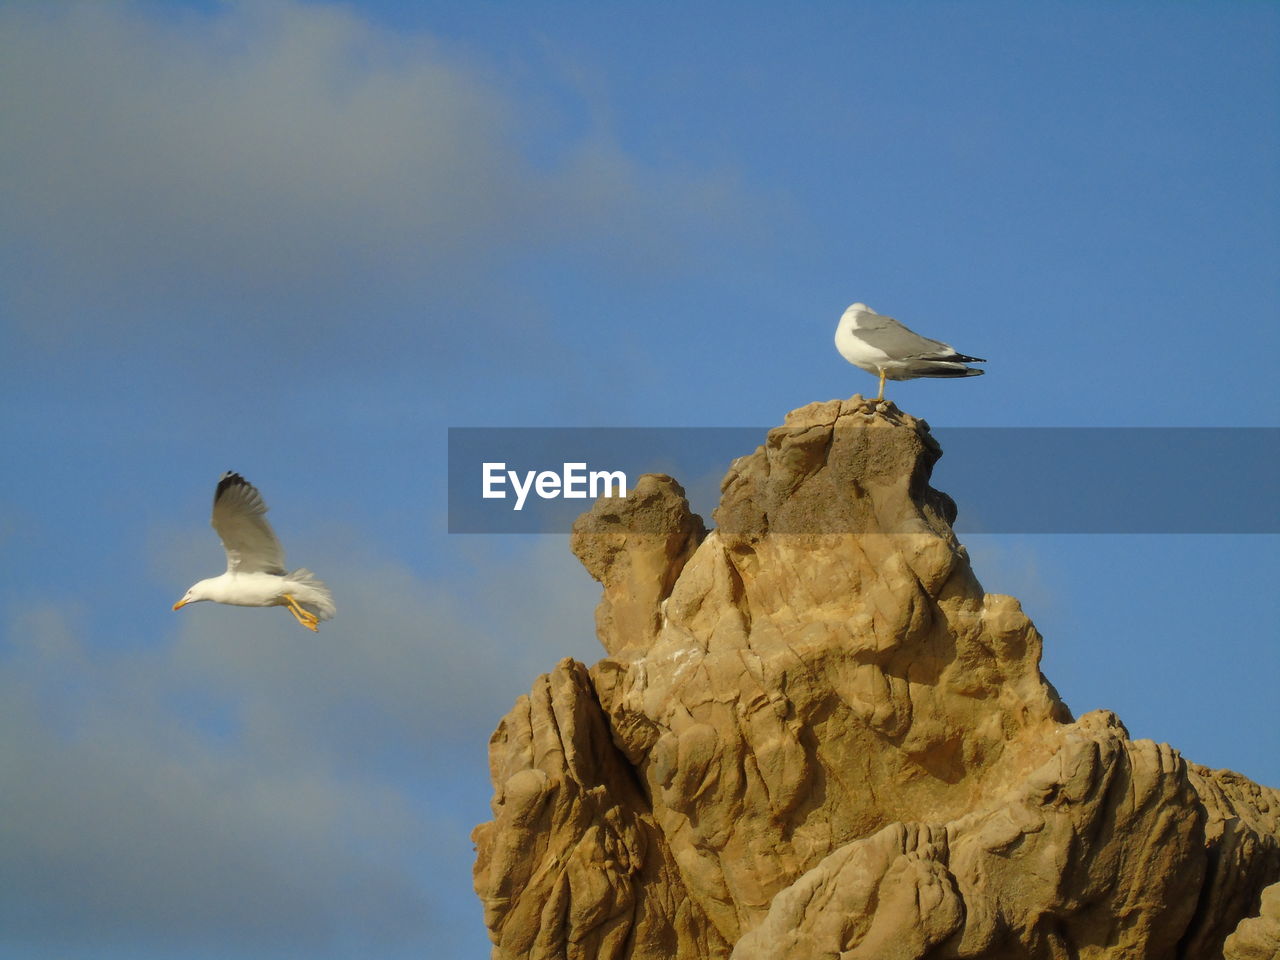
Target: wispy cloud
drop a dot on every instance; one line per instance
(284, 161)
(121, 822)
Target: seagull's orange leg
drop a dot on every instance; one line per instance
(304, 617)
(308, 619)
(880, 395)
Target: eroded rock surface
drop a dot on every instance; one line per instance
(815, 735)
(1258, 938)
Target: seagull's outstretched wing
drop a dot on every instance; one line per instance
(239, 516)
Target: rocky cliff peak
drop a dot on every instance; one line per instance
(815, 735)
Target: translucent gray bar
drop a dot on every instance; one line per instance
(1003, 479)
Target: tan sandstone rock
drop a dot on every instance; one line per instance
(815, 735)
(1258, 938)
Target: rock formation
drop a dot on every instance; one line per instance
(815, 736)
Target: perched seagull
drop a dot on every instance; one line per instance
(255, 574)
(881, 345)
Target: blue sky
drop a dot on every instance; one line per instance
(301, 240)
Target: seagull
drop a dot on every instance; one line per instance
(255, 574)
(881, 345)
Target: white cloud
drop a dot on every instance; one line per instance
(120, 822)
(273, 157)
(268, 145)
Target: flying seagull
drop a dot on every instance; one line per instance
(255, 574)
(881, 345)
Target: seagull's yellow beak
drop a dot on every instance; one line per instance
(179, 604)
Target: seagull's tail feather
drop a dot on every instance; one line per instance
(312, 594)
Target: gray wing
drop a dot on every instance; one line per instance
(897, 342)
(239, 516)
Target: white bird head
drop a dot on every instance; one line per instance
(849, 319)
(197, 593)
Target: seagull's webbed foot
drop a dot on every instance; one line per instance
(308, 620)
(304, 617)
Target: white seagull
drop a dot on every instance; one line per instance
(881, 345)
(255, 574)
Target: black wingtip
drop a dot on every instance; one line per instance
(227, 481)
(943, 373)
